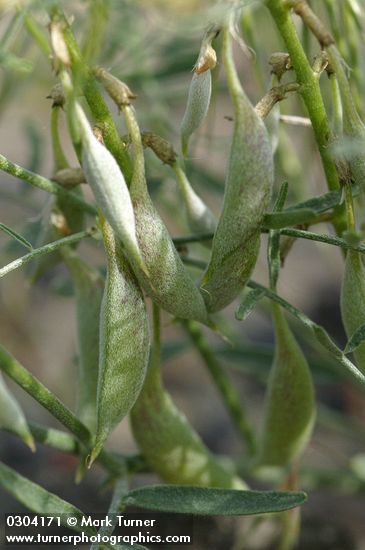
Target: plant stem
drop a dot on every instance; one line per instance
(95, 100)
(231, 399)
(40, 393)
(46, 249)
(37, 33)
(351, 225)
(55, 438)
(328, 239)
(59, 158)
(199, 237)
(309, 89)
(45, 184)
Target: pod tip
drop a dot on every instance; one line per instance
(29, 441)
(90, 459)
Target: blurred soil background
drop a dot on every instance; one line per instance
(152, 46)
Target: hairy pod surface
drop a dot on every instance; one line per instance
(290, 405)
(168, 282)
(12, 417)
(200, 92)
(247, 193)
(199, 217)
(170, 445)
(109, 187)
(124, 342)
(89, 288)
(353, 301)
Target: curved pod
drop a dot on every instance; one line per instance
(124, 342)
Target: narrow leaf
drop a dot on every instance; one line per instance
(319, 332)
(273, 248)
(40, 393)
(41, 501)
(319, 204)
(16, 236)
(202, 501)
(248, 303)
(279, 220)
(355, 340)
(46, 249)
(35, 498)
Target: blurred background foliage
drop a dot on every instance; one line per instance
(152, 45)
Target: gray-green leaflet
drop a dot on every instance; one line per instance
(11, 415)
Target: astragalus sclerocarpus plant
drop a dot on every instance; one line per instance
(113, 113)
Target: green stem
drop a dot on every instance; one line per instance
(59, 158)
(95, 100)
(328, 239)
(67, 443)
(337, 106)
(230, 396)
(55, 438)
(40, 393)
(289, 232)
(352, 120)
(38, 35)
(45, 184)
(46, 249)
(351, 224)
(309, 88)
(199, 237)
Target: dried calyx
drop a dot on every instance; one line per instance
(119, 92)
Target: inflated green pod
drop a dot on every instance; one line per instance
(168, 282)
(200, 90)
(353, 301)
(290, 404)
(167, 441)
(124, 342)
(247, 193)
(12, 418)
(109, 187)
(89, 287)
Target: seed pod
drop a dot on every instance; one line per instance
(247, 194)
(109, 187)
(89, 287)
(124, 342)
(168, 283)
(199, 217)
(200, 91)
(12, 417)
(353, 126)
(290, 406)
(353, 301)
(168, 443)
